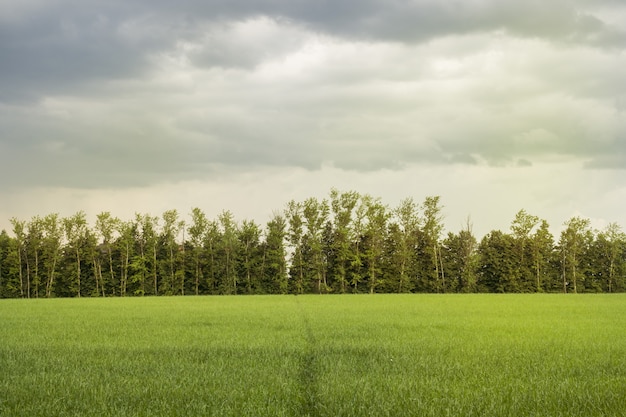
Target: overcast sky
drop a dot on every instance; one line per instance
(145, 106)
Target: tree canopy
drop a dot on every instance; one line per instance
(346, 243)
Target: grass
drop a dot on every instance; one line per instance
(382, 355)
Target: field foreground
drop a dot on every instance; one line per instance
(382, 355)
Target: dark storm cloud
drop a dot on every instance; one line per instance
(54, 45)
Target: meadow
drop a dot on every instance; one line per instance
(350, 355)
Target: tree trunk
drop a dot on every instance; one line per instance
(182, 275)
(27, 276)
(19, 261)
(51, 278)
(96, 276)
(154, 267)
(36, 279)
(78, 270)
(110, 270)
(443, 275)
(124, 276)
(563, 274)
(197, 271)
(574, 275)
(611, 274)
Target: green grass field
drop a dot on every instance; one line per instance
(382, 355)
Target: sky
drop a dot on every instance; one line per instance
(151, 105)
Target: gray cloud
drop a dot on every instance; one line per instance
(99, 94)
(55, 45)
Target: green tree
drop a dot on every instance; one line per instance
(172, 227)
(616, 240)
(197, 235)
(92, 269)
(212, 239)
(315, 215)
(461, 260)
(432, 271)
(228, 248)
(295, 235)
(356, 272)
(542, 243)
(51, 248)
(274, 275)
(10, 286)
(574, 241)
(606, 258)
(496, 268)
(407, 221)
(139, 262)
(126, 243)
(34, 239)
(249, 235)
(75, 228)
(150, 236)
(343, 205)
(20, 237)
(145, 262)
(106, 227)
(521, 227)
(375, 229)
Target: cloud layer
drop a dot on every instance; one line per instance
(113, 94)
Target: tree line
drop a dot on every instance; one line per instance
(346, 243)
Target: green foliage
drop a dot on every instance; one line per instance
(460, 259)
(348, 243)
(497, 270)
(274, 272)
(574, 242)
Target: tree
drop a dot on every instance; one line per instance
(92, 268)
(356, 272)
(342, 205)
(181, 259)
(315, 215)
(573, 242)
(197, 234)
(75, 230)
(293, 213)
(150, 236)
(433, 274)
(249, 235)
(126, 242)
(543, 248)
(212, 240)
(144, 264)
(377, 216)
(10, 285)
(228, 249)
(521, 228)
(274, 272)
(51, 246)
(169, 233)
(139, 262)
(496, 267)
(460, 258)
(609, 250)
(34, 239)
(408, 227)
(106, 226)
(20, 236)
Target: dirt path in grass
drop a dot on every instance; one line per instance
(310, 404)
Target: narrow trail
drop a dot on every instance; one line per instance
(310, 404)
